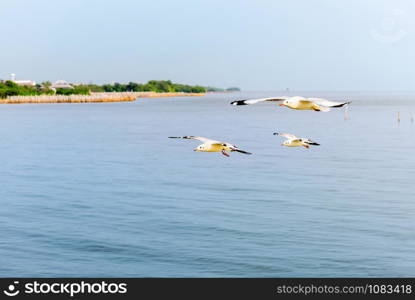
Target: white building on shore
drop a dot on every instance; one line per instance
(61, 84)
(22, 82)
(25, 82)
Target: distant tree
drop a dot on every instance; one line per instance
(233, 89)
(92, 87)
(118, 87)
(198, 89)
(77, 90)
(11, 84)
(133, 87)
(214, 89)
(46, 84)
(108, 88)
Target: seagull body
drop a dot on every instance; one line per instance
(297, 102)
(293, 141)
(212, 145)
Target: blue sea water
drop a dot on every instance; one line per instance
(99, 190)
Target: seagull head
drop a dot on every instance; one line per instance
(285, 103)
(199, 148)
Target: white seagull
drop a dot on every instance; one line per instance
(293, 141)
(297, 102)
(211, 145)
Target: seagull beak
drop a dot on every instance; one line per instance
(281, 104)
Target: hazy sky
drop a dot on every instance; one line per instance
(256, 45)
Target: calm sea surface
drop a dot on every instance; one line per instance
(99, 189)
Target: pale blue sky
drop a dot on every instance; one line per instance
(256, 45)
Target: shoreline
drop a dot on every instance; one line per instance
(93, 98)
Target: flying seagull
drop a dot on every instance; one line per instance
(211, 145)
(293, 141)
(297, 102)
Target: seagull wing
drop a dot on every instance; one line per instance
(199, 138)
(327, 103)
(254, 101)
(287, 135)
(236, 149)
(310, 142)
(241, 151)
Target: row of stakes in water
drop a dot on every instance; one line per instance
(346, 115)
(399, 117)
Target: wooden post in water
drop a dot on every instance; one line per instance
(399, 117)
(346, 112)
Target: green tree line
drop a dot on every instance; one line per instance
(160, 86)
(9, 88)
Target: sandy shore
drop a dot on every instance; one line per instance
(94, 97)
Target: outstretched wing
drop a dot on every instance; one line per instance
(254, 101)
(327, 103)
(241, 151)
(236, 149)
(287, 135)
(199, 138)
(310, 142)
